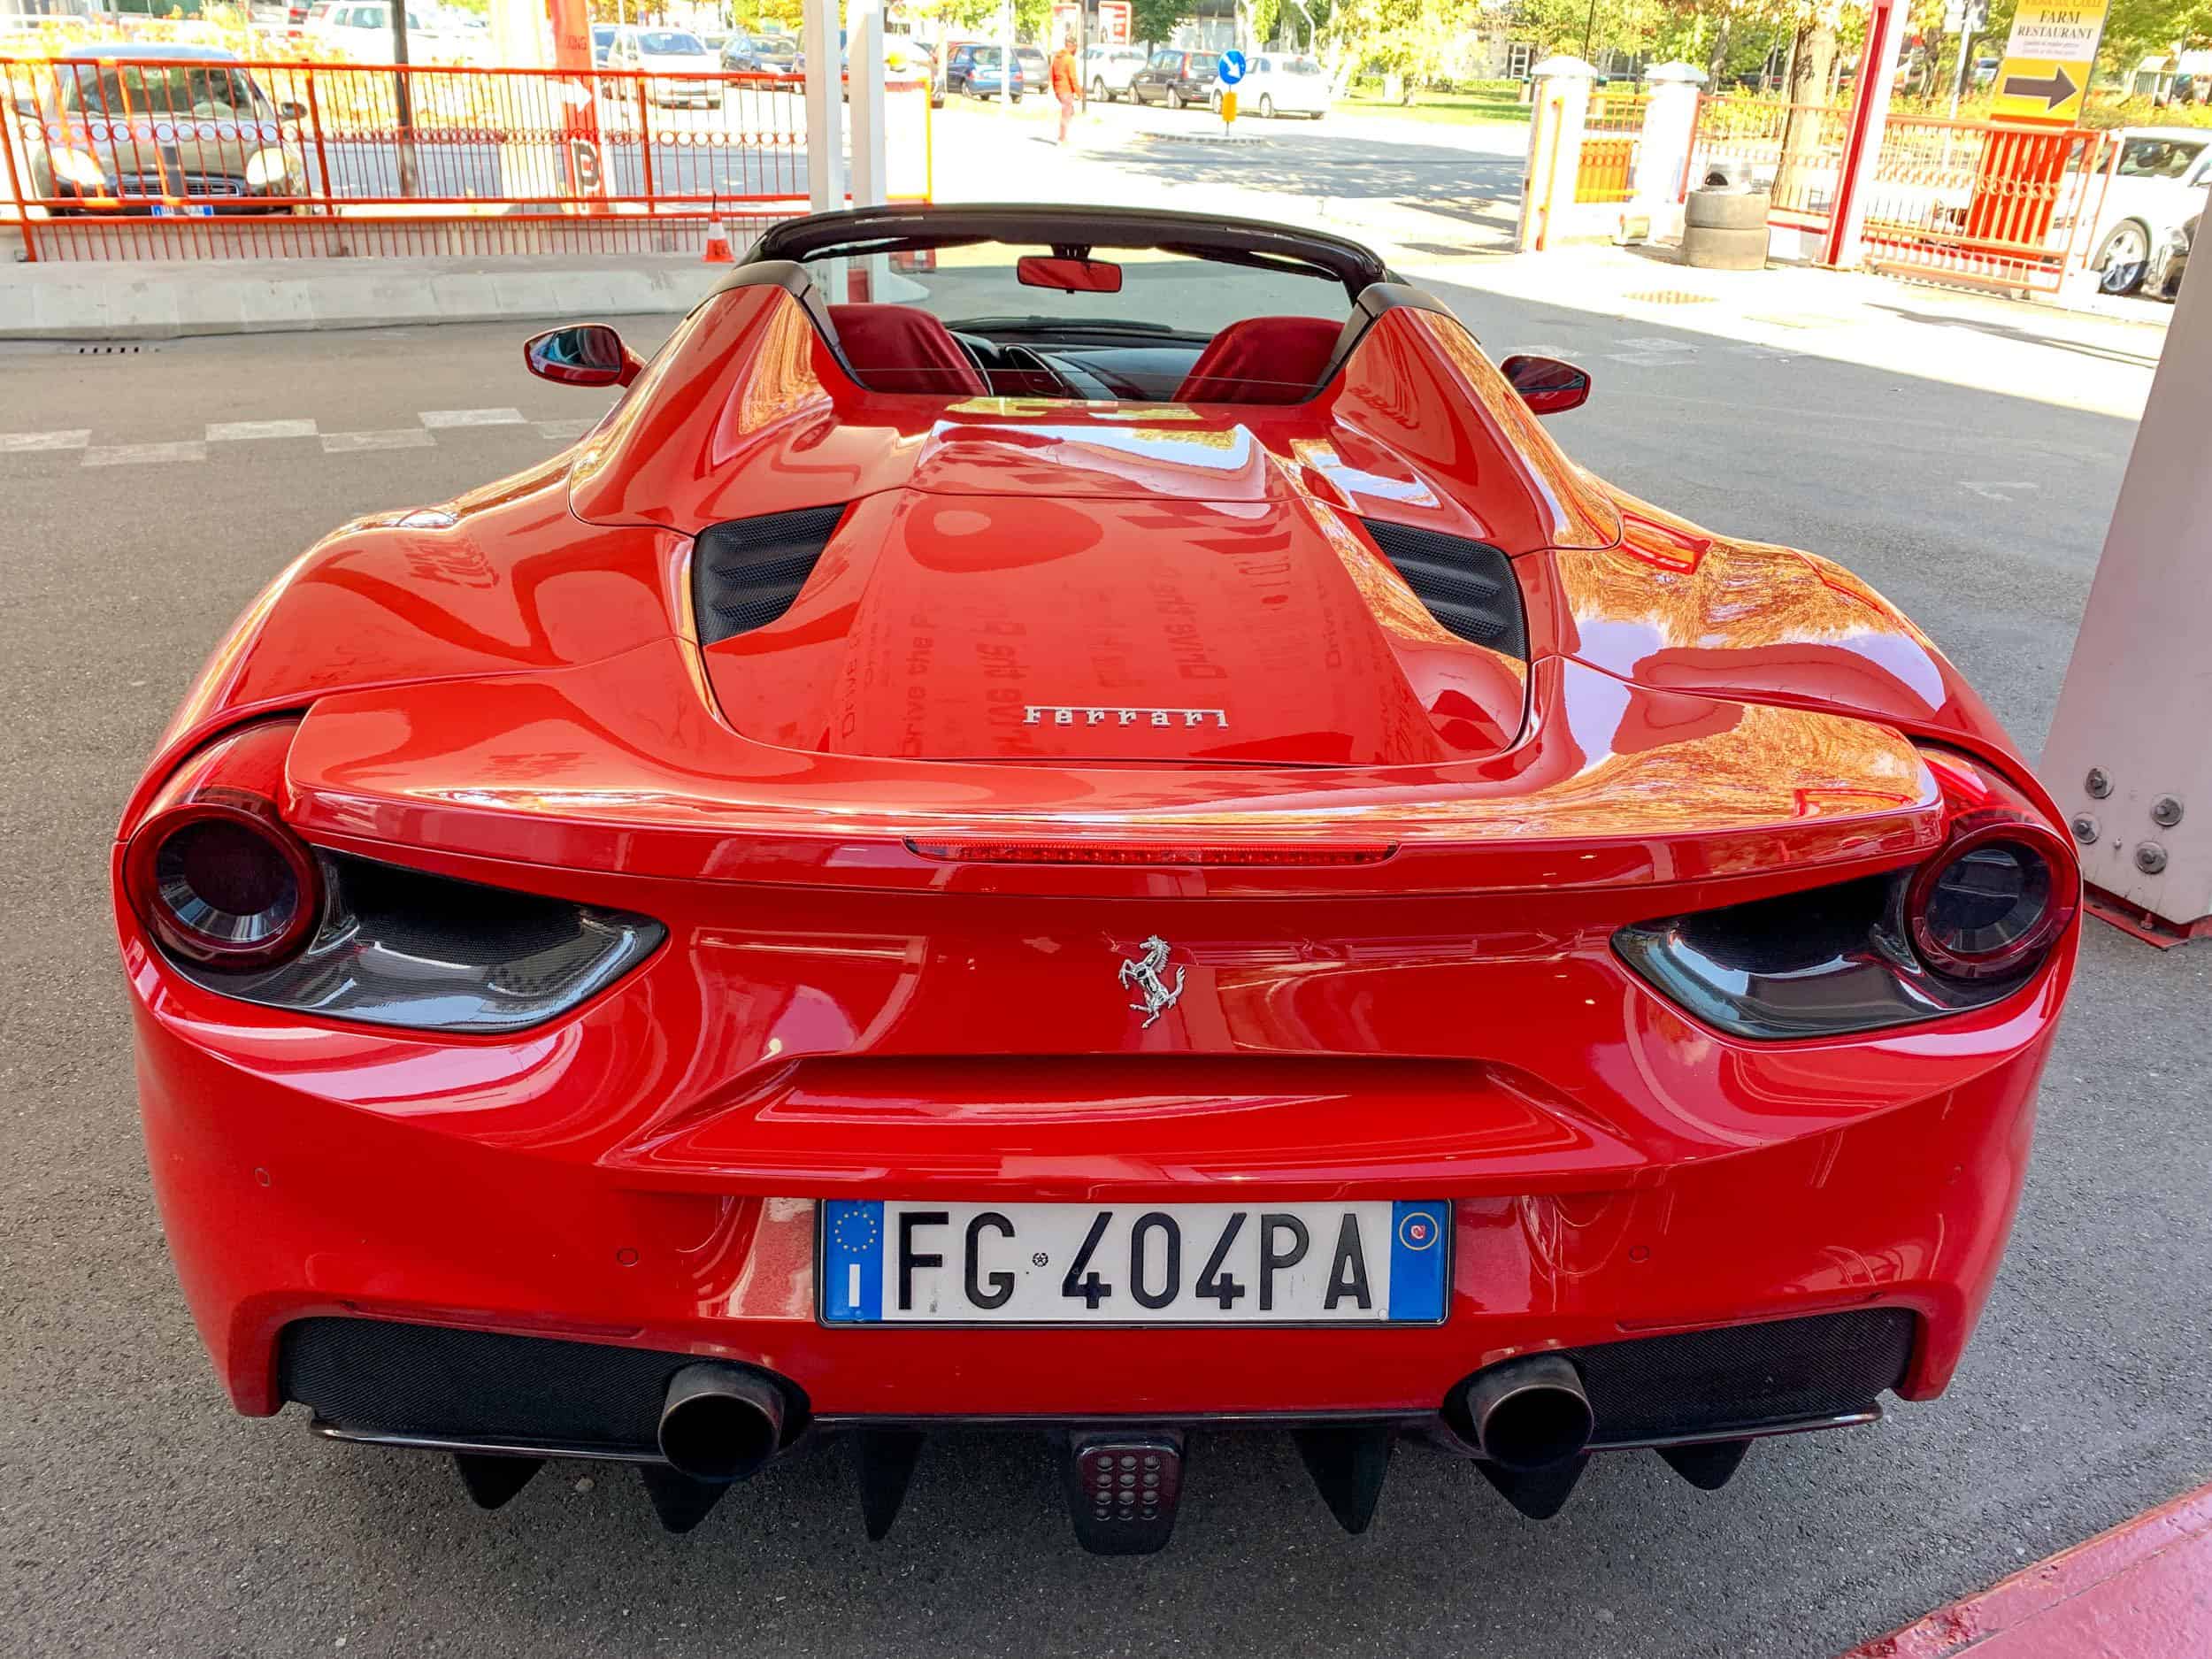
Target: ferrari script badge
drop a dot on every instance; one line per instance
(1143, 977)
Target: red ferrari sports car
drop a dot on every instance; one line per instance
(1075, 820)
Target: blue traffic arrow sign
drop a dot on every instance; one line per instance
(1231, 69)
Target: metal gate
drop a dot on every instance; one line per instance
(1981, 202)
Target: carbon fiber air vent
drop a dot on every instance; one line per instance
(1467, 585)
(745, 573)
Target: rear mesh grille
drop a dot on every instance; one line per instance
(1705, 1382)
(746, 573)
(1467, 585)
(427, 1379)
(437, 1381)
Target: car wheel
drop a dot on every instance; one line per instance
(2124, 257)
(1098, 89)
(1174, 98)
(1267, 107)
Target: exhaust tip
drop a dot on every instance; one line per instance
(1530, 1413)
(720, 1423)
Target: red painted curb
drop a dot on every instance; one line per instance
(2141, 1591)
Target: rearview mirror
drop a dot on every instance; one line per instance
(584, 354)
(1070, 276)
(1547, 385)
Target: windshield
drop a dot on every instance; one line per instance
(2156, 158)
(986, 57)
(1301, 66)
(197, 89)
(1136, 344)
(776, 46)
(670, 43)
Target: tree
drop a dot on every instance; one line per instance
(1406, 39)
(1154, 21)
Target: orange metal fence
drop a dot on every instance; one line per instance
(1793, 151)
(1610, 135)
(1971, 201)
(157, 157)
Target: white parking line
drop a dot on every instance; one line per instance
(435, 419)
(31, 442)
(237, 431)
(563, 431)
(145, 454)
(397, 438)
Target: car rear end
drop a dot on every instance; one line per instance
(508, 1053)
(1299, 86)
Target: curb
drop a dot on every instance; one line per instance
(2141, 1591)
(1155, 136)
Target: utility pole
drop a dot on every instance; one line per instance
(403, 100)
(1589, 28)
(1967, 18)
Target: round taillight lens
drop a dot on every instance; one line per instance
(228, 886)
(1993, 900)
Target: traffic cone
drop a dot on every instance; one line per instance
(717, 244)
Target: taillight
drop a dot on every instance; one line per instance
(238, 904)
(214, 872)
(2004, 887)
(1965, 929)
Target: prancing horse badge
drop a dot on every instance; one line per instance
(1143, 977)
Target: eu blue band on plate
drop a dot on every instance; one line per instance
(1419, 1260)
(852, 1259)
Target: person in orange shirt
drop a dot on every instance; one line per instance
(1064, 82)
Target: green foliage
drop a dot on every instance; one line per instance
(1154, 20)
(2136, 29)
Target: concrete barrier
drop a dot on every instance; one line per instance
(173, 299)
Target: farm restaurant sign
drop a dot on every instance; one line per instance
(2045, 75)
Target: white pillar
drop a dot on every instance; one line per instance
(864, 49)
(1662, 150)
(2129, 747)
(1006, 63)
(522, 38)
(1554, 149)
(824, 110)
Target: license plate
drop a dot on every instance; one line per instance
(899, 1263)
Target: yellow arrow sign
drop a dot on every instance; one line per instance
(2040, 89)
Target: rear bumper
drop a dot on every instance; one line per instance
(581, 1184)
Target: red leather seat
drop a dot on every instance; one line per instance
(898, 349)
(1262, 360)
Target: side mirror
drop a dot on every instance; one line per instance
(1547, 385)
(292, 110)
(1070, 276)
(584, 354)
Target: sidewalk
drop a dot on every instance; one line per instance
(2141, 1591)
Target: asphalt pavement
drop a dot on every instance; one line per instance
(141, 1517)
